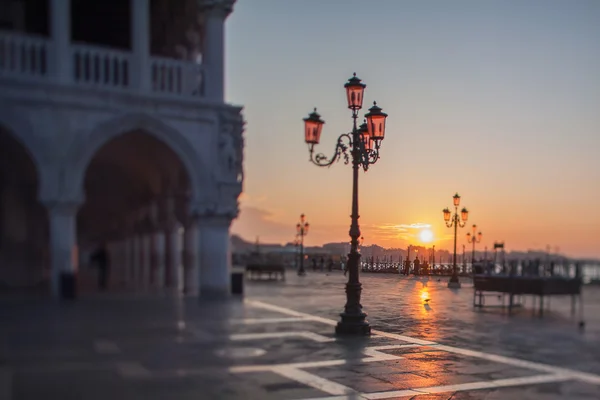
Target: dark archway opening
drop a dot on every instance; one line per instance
(127, 174)
(24, 253)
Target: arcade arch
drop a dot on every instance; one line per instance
(136, 191)
(24, 253)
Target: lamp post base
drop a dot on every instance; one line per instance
(454, 284)
(353, 324)
(301, 272)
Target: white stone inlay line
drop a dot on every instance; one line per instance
(373, 355)
(530, 380)
(275, 335)
(557, 373)
(106, 347)
(260, 321)
(6, 377)
(313, 381)
(308, 364)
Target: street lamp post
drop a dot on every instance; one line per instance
(301, 231)
(455, 220)
(474, 238)
(361, 146)
(296, 252)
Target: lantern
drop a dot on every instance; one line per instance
(464, 214)
(368, 142)
(479, 235)
(456, 197)
(447, 213)
(354, 92)
(469, 237)
(312, 128)
(364, 134)
(376, 122)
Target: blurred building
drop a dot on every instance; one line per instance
(114, 128)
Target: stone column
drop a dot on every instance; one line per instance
(157, 248)
(61, 61)
(146, 259)
(130, 260)
(63, 242)
(213, 57)
(215, 255)
(129, 251)
(173, 247)
(136, 265)
(191, 261)
(140, 44)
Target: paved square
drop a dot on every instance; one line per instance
(278, 344)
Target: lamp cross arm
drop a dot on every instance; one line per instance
(344, 143)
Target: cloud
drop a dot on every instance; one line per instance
(417, 225)
(265, 224)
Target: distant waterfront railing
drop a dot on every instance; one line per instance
(589, 272)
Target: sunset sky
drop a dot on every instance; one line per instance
(496, 100)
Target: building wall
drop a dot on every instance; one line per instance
(62, 122)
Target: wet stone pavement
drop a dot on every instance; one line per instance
(277, 343)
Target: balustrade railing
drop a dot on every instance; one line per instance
(101, 67)
(176, 77)
(23, 55)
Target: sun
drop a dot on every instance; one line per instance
(426, 235)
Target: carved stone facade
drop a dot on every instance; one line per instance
(155, 176)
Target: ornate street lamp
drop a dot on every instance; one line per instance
(474, 238)
(455, 220)
(301, 231)
(361, 145)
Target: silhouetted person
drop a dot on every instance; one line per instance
(330, 265)
(417, 265)
(314, 264)
(322, 264)
(102, 261)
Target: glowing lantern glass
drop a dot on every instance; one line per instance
(376, 122)
(446, 214)
(367, 141)
(456, 199)
(464, 214)
(313, 125)
(354, 92)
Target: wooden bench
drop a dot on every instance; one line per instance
(273, 271)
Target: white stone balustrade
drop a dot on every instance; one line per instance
(23, 55)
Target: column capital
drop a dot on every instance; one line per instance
(220, 8)
(207, 211)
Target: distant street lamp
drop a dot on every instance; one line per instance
(301, 231)
(455, 220)
(474, 238)
(361, 146)
(296, 251)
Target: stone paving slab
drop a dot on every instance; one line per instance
(279, 344)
